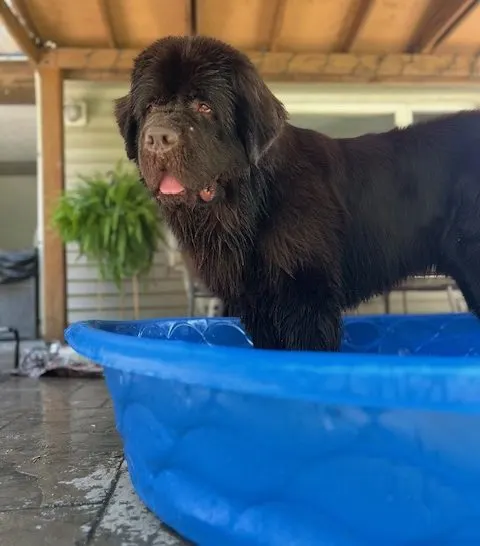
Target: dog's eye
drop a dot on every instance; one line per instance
(203, 108)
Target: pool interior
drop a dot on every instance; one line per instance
(454, 335)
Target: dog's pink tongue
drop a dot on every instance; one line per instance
(170, 185)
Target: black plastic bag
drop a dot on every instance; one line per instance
(18, 266)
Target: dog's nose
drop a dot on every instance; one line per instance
(160, 139)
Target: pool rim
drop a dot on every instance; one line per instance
(431, 383)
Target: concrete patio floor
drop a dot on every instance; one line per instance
(63, 480)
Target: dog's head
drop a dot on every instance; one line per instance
(197, 114)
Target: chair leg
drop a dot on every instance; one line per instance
(191, 302)
(386, 302)
(16, 337)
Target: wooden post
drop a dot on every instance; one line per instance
(51, 183)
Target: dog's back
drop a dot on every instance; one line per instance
(413, 200)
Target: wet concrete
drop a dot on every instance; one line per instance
(63, 480)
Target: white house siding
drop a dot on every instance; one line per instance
(98, 146)
(414, 302)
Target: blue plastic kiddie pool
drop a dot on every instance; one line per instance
(231, 446)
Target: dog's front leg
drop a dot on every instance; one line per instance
(310, 329)
(294, 326)
(258, 325)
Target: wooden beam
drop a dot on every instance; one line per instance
(21, 8)
(19, 33)
(16, 73)
(346, 67)
(98, 75)
(298, 67)
(90, 59)
(191, 19)
(17, 84)
(438, 22)
(17, 95)
(355, 19)
(277, 24)
(51, 171)
(107, 22)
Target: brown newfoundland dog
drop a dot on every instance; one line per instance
(287, 226)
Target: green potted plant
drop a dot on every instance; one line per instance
(115, 224)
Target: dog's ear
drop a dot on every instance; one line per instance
(127, 124)
(260, 116)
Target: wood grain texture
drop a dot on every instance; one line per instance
(50, 102)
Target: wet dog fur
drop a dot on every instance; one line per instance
(288, 226)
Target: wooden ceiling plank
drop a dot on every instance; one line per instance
(353, 25)
(19, 33)
(388, 27)
(438, 22)
(107, 22)
(74, 23)
(277, 24)
(313, 25)
(138, 23)
(289, 66)
(247, 24)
